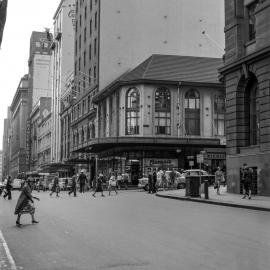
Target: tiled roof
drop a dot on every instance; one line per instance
(177, 68)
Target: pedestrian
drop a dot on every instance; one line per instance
(55, 186)
(125, 178)
(172, 178)
(82, 181)
(25, 203)
(99, 187)
(73, 187)
(218, 179)
(150, 180)
(154, 187)
(119, 180)
(112, 184)
(246, 180)
(8, 188)
(164, 180)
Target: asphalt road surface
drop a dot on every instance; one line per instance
(133, 230)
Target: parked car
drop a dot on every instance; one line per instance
(17, 183)
(179, 182)
(198, 172)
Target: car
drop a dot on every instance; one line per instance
(143, 182)
(17, 183)
(197, 172)
(179, 182)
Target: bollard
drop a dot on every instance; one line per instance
(206, 193)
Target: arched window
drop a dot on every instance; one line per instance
(132, 112)
(163, 111)
(253, 111)
(219, 115)
(192, 112)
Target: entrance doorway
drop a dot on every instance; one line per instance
(135, 172)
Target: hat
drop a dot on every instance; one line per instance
(81, 171)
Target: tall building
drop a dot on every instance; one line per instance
(63, 66)
(113, 37)
(39, 65)
(3, 15)
(6, 144)
(1, 165)
(40, 78)
(19, 154)
(246, 73)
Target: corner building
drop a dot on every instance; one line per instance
(161, 115)
(247, 80)
(114, 36)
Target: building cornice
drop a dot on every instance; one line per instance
(248, 59)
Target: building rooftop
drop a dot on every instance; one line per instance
(171, 69)
(177, 68)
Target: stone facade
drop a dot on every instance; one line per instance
(246, 75)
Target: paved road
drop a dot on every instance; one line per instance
(135, 230)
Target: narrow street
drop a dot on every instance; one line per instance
(134, 230)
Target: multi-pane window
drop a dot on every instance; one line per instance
(132, 111)
(90, 51)
(95, 46)
(89, 76)
(95, 72)
(90, 28)
(80, 42)
(163, 111)
(219, 115)
(85, 12)
(84, 58)
(84, 35)
(252, 20)
(80, 20)
(96, 20)
(192, 112)
(91, 5)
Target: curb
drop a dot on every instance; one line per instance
(250, 207)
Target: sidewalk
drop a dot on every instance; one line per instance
(260, 203)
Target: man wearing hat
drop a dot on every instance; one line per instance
(247, 180)
(82, 181)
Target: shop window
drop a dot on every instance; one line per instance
(192, 112)
(163, 111)
(219, 115)
(132, 111)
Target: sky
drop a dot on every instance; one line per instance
(23, 17)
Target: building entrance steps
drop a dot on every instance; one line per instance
(261, 203)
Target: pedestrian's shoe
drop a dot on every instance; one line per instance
(34, 221)
(18, 223)
(249, 198)
(51, 194)
(93, 195)
(102, 195)
(244, 197)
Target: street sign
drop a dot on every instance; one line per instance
(199, 158)
(191, 163)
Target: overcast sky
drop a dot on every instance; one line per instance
(23, 17)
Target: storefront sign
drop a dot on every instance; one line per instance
(215, 156)
(200, 158)
(160, 162)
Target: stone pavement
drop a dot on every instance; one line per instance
(226, 199)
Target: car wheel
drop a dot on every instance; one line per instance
(181, 185)
(146, 188)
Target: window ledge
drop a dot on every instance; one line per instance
(250, 46)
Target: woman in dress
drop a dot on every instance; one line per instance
(99, 187)
(25, 203)
(218, 178)
(55, 187)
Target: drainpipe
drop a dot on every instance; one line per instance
(178, 106)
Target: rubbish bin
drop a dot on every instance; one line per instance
(193, 189)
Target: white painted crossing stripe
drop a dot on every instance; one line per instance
(9, 257)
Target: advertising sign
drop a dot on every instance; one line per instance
(161, 162)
